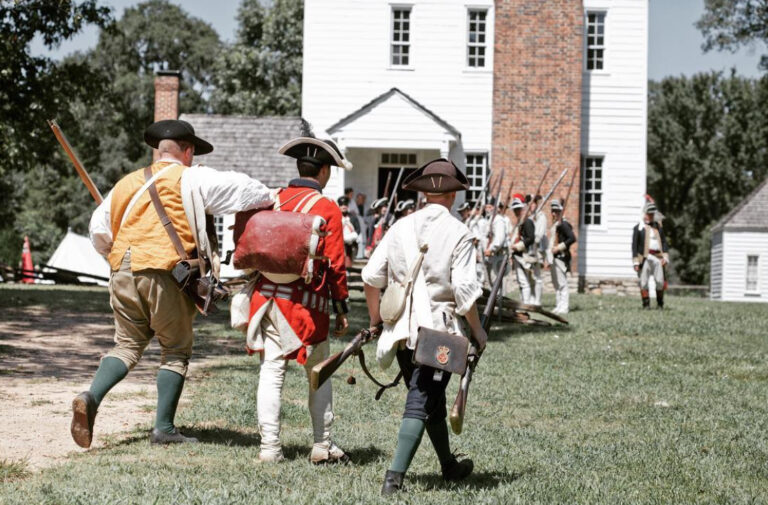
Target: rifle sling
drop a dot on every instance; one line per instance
(382, 387)
(164, 219)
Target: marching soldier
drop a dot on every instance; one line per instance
(376, 226)
(464, 211)
(523, 253)
(126, 228)
(562, 238)
(541, 226)
(289, 318)
(497, 241)
(650, 255)
(478, 227)
(445, 288)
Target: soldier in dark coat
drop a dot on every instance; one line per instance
(559, 257)
(650, 255)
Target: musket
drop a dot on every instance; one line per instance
(460, 405)
(323, 370)
(495, 206)
(538, 188)
(551, 192)
(76, 161)
(392, 198)
(568, 193)
(481, 196)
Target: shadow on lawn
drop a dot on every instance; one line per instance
(478, 480)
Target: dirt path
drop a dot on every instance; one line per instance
(46, 358)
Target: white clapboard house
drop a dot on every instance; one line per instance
(739, 259)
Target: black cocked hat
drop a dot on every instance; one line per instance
(175, 129)
(319, 152)
(437, 176)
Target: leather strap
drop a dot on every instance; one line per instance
(382, 387)
(164, 219)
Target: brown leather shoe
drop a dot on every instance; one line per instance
(83, 414)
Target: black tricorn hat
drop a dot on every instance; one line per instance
(437, 176)
(175, 129)
(319, 152)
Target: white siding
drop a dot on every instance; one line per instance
(736, 247)
(716, 267)
(346, 64)
(614, 109)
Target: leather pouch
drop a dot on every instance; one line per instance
(441, 350)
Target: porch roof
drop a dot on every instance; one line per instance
(394, 119)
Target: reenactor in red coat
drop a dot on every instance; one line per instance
(289, 318)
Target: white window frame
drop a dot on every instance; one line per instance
(471, 178)
(400, 43)
(397, 164)
(756, 291)
(484, 45)
(584, 192)
(587, 47)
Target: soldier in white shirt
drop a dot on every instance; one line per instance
(445, 288)
(541, 226)
(497, 240)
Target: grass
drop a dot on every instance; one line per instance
(623, 406)
(11, 470)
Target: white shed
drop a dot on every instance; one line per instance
(739, 259)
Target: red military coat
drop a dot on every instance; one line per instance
(306, 307)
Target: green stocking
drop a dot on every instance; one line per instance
(169, 386)
(111, 371)
(408, 439)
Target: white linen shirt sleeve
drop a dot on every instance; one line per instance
(464, 283)
(100, 227)
(375, 273)
(228, 192)
(499, 235)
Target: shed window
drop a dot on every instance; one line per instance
(592, 189)
(752, 263)
(477, 173)
(218, 222)
(595, 40)
(476, 35)
(401, 36)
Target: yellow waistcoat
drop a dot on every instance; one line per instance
(142, 232)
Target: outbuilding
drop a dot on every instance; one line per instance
(738, 269)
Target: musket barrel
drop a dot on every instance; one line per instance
(95, 193)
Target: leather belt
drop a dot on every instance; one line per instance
(294, 293)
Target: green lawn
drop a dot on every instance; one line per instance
(623, 406)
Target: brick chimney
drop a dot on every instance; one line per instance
(537, 84)
(166, 97)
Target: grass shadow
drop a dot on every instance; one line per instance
(223, 436)
(476, 481)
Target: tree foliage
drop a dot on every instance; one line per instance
(33, 89)
(260, 74)
(707, 149)
(730, 24)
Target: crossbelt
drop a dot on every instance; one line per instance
(294, 293)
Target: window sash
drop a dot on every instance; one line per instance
(592, 190)
(752, 273)
(476, 165)
(477, 35)
(595, 40)
(400, 37)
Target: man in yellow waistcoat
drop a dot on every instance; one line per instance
(127, 229)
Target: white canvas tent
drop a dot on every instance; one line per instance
(76, 253)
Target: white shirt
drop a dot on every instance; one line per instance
(447, 284)
(500, 234)
(221, 193)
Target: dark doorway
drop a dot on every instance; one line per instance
(401, 193)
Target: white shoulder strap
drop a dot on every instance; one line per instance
(141, 191)
(310, 203)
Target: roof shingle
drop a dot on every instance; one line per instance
(751, 213)
(249, 144)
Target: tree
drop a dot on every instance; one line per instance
(260, 74)
(33, 89)
(730, 24)
(106, 127)
(707, 149)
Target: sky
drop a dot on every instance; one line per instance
(674, 43)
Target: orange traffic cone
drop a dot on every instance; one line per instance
(27, 266)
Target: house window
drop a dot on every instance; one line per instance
(476, 37)
(399, 159)
(752, 273)
(401, 36)
(592, 189)
(476, 173)
(595, 40)
(218, 222)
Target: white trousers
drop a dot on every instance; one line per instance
(538, 283)
(652, 268)
(271, 378)
(560, 283)
(524, 281)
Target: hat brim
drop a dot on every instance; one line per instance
(153, 136)
(297, 148)
(436, 182)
